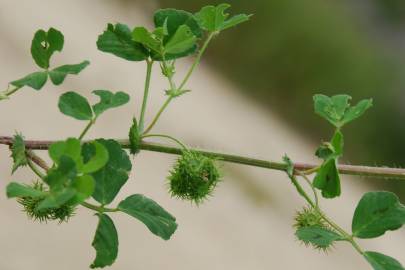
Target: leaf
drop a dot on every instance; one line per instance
(113, 175)
(18, 152)
(98, 160)
(214, 18)
(337, 143)
(134, 138)
(182, 41)
(148, 39)
(44, 44)
(70, 148)
(337, 109)
(75, 105)
(84, 186)
(172, 20)
(62, 175)
(157, 219)
(117, 39)
(318, 236)
(382, 262)
(34, 80)
(18, 190)
(376, 213)
(105, 242)
(328, 180)
(109, 100)
(357, 111)
(59, 74)
(56, 199)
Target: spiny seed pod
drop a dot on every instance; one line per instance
(308, 217)
(62, 214)
(193, 177)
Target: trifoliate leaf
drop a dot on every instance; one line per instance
(214, 18)
(18, 152)
(157, 219)
(117, 39)
(19, 190)
(75, 105)
(113, 175)
(182, 41)
(327, 179)
(109, 100)
(376, 213)
(59, 74)
(44, 45)
(34, 80)
(148, 39)
(105, 242)
(321, 238)
(337, 109)
(382, 262)
(172, 20)
(134, 138)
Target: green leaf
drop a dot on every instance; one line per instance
(44, 44)
(337, 109)
(157, 219)
(117, 39)
(18, 152)
(70, 148)
(34, 80)
(109, 100)
(172, 20)
(98, 160)
(56, 199)
(59, 74)
(355, 112)
(214, 18)
(84, 186)
(328, 180)
(18, 190)
(75, 105)
(182, 41)
(60, 176)
(148, 39)
(134, 138)
(382, 262)
(113, 175)
(318, 236)
(105, 242)
(376, 213)
(337, 142)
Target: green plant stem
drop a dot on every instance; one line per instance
(167, 137)
(149, 64)
(34, 168)
(87, 128)
(9, 92)
(99, 209)
(183, 83)
(365, 171)
(303, 175)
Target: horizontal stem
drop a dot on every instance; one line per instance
(366, 171)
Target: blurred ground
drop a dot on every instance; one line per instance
(246, 225)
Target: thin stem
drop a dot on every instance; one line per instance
(302, 192)
(5, 94)
(365, 171)
(35, 169)
(303, 175)
(168, 137)
(87, 128)
(149, 64)
(99, 209)
(197, 60)
(183, 83)
(156, 118)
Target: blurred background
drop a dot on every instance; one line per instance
(252, 95)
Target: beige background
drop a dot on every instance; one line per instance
(246, 225)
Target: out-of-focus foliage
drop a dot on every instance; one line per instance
(293, 49)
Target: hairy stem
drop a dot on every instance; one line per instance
(365, 171)
(149, 64)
